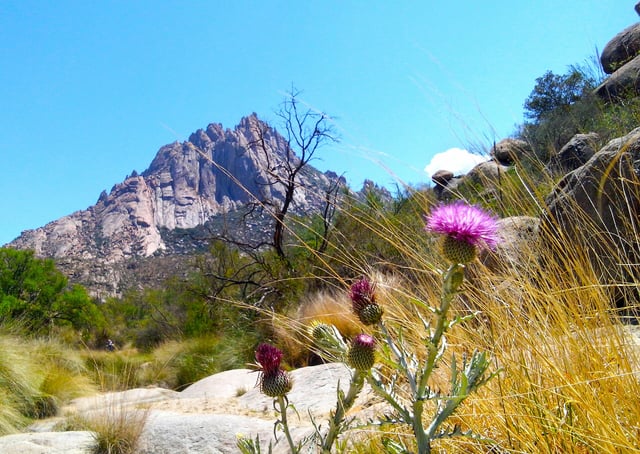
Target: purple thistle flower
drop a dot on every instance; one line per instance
(273, 381)
(363, 301)
(365, 341)
(269, 358)
(465, 223)
(362, 293)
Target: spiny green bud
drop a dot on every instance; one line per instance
(324, 334)
(370, 314)
(327, 340)
(458, 251)
(361, 355)
(276, 384)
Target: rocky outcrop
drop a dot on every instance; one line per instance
(599, 204)
(621, 49)
(575, 153)
(72, 442)
(216, 172)
(484, 178)
(206, 417)
(620, 58)
(622, 83)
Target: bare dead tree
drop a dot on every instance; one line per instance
(328, 213)
(305, 131)
(250, 274)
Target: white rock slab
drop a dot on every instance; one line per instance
(138, 396)
(47, 443)
(224, 385)
(179, 433)
(314, 389)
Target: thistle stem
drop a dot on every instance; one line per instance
(283, 419)
(451, 282)
(342, 406)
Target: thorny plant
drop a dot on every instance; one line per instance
(464, 229)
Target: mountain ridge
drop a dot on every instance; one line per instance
(188, 184)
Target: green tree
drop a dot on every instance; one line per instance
(559, 107)
(554, 91)
(34, 292)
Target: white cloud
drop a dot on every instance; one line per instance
(455, 160)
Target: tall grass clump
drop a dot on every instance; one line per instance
(118, 370)
(36, 378)
(569, 381)
(117, 424)
(116, 429)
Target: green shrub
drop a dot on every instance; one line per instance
(34, 292)
(206, 356)
(118, 370)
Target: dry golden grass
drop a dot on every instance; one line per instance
(116, 429)
(37, 377)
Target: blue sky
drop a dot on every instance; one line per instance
(89, 91)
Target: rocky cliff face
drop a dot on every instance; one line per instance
(216, 171)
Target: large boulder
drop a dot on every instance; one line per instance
(575, 153)
(509, 151)
(202, 433)
(442, 177)
(598, 207)
(224, 385)
(518, 245)
(441, 180)
(622, 48)
(486, 173)
(622, 83)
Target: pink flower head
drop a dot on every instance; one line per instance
(466, 223)
(362, 293)
(269, 358)
(361, 356)
(365, 341)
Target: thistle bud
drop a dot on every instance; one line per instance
(327, 340)
(363, 301)
(361, 355)
(276, 384)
